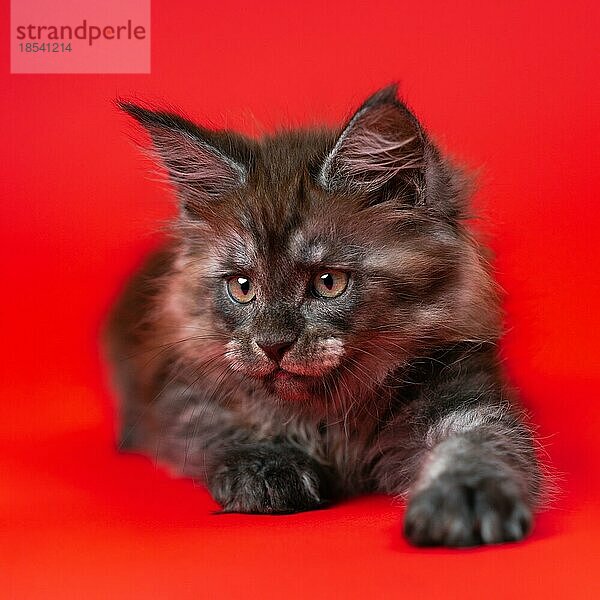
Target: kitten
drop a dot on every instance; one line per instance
(322, 325)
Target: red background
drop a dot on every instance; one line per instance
(509, 87)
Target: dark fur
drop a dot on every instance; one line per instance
(395, 385)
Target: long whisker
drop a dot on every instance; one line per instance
(177, 374)
(207, 402)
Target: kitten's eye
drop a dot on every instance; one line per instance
(330, 284)
(241, 289)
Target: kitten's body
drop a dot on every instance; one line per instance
(392, 385)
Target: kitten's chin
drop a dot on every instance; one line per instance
(289, 386)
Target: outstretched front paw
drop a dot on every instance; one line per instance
(463, 510)
(268, 478)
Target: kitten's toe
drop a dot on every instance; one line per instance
(502, 515)
(268, 479)
(440, 515)
(456, 511)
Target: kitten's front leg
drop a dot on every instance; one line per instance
(244, 470)
(475, 483)
(267, 477)
(463, 456)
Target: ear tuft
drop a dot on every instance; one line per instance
(382, 144)
(193, 157)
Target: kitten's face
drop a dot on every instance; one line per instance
(289, 312)
(322, 260)
(327, 295)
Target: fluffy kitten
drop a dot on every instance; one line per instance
(324, 325)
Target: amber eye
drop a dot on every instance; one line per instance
(241, 289)
(330, 284)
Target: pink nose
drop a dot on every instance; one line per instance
(275, 351)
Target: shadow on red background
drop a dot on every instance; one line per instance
(511, 89)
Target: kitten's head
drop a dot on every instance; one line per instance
(323, 260)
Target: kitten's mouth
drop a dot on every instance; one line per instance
(296, 387)
(280, 374)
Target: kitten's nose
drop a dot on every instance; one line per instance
(275, 350)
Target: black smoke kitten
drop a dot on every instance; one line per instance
(323, 325)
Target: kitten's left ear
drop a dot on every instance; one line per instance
(384, 153)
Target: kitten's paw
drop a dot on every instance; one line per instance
(460, 510)
(268, 478)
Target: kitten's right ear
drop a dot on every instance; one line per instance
(203, 165)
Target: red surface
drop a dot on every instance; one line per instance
(510, 87)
